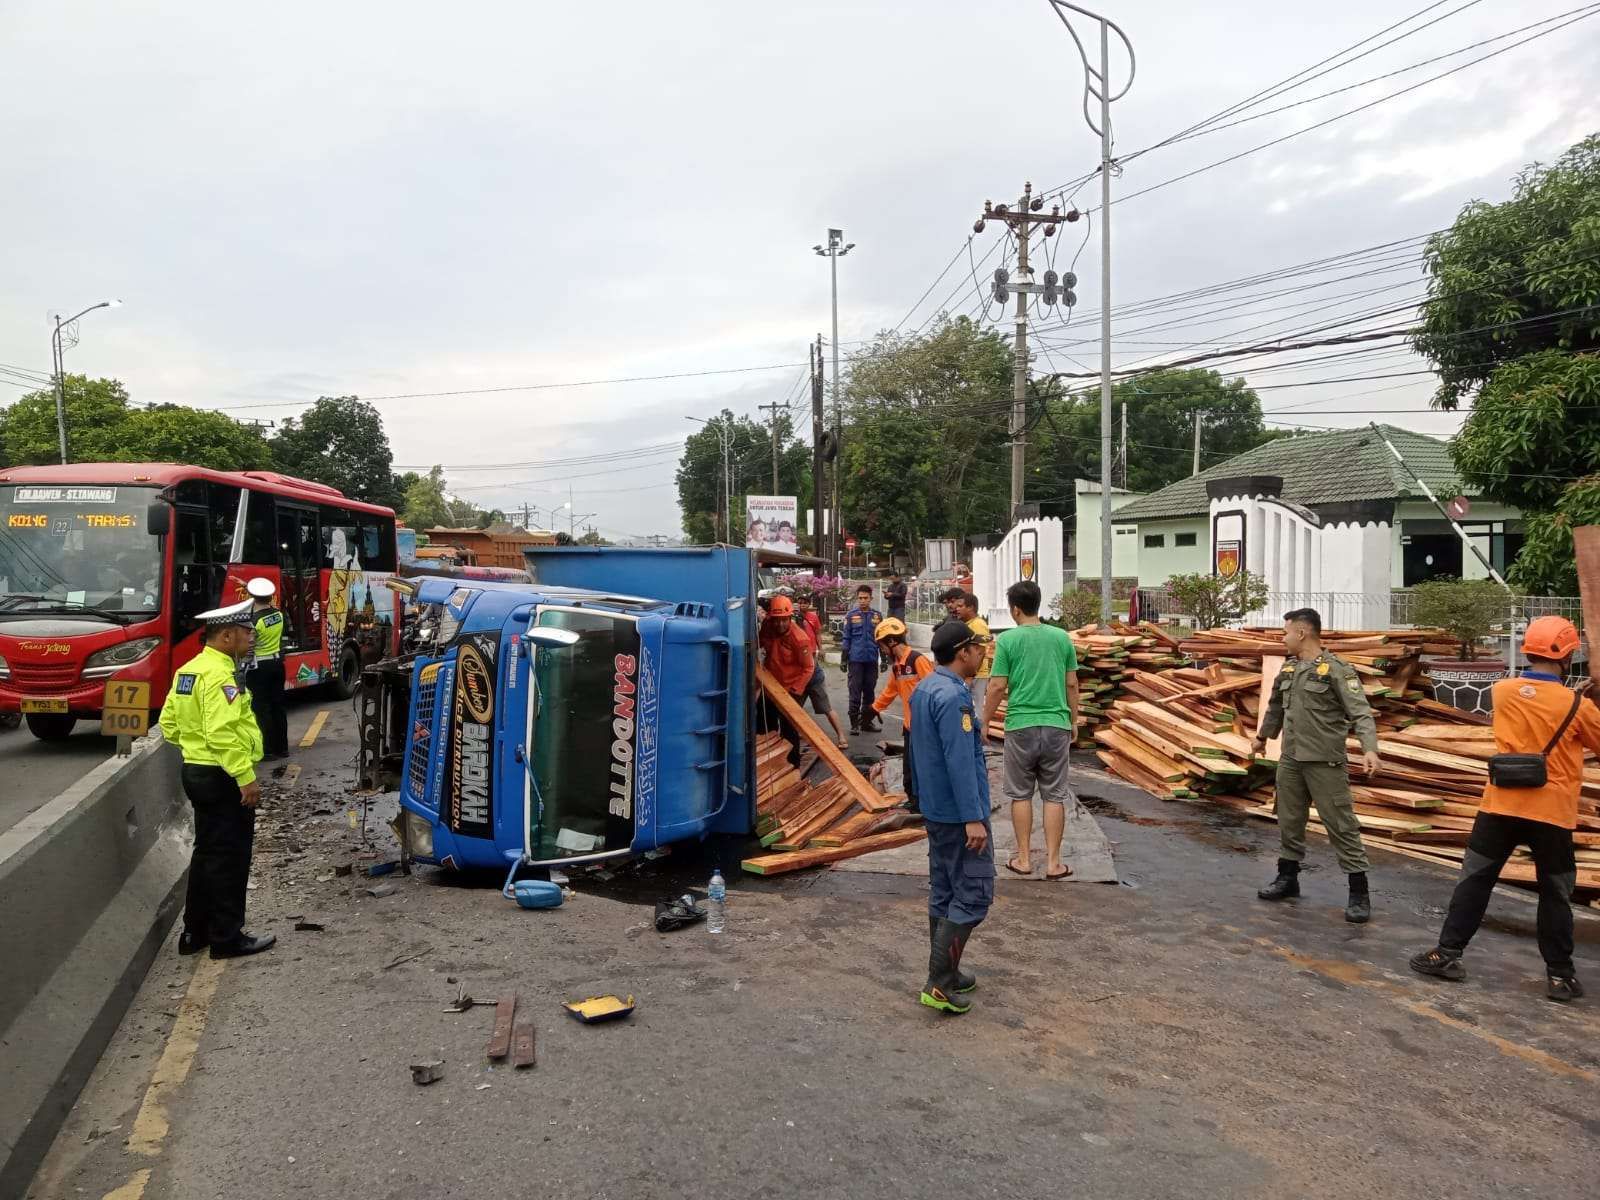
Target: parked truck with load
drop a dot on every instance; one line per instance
(604, 709)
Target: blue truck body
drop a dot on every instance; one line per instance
(636, 735)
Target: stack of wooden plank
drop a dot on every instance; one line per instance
(1186, 737)
(1389, 661)
(811, 821)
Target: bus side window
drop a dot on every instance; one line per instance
(224, 510)
(198, 582)
(341, 540)
(377, 542)
(260, 531)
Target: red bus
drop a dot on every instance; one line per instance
(103, 567)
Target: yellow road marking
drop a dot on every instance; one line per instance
(317, 722)
(1357, 976)
(133, 1189)
(151, 1125)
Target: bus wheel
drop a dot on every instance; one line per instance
(348, 677)
(51, 727)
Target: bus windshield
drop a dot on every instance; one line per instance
(583, 736)
(63, 548)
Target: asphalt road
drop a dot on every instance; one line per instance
(1171, 1038)
(32, 773)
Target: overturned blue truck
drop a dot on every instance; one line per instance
(603, 710)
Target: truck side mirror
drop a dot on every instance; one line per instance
(158, 518)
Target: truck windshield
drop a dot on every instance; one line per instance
(583, 736)
(77, 547)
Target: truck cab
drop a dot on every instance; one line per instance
(572, 719)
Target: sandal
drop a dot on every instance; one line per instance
(1011, 865)
(1440, 964)
(1066, 873)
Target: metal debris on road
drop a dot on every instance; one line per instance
(522, 1047)
(600, 1008)
(500, 1040)
(308, 927)
(382, 890)
(409, 956)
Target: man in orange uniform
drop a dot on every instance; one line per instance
(786, 651)
(1535, 715)
(907, 668)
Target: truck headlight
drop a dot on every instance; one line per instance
(5, 668)
(419, 832)
(113, 658)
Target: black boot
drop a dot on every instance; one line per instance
(940, 991)
(964, 983)
(189, 944)
(1359, 909)
(244, 945)
(1287, 883)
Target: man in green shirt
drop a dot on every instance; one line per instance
(1035, 675)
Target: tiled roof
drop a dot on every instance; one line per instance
(1316, 468)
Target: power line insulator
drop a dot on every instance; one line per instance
(1073, 214)
(1051, 279)
(1069, 297)
(1001, 278)
(1070, 279)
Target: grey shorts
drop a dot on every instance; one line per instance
(817, 692)
(1038, 757)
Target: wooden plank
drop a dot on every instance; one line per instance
(1586, 545)
(797, 838)
(778, 864)
(866, 795)
(505, 1009)
(522, 1046)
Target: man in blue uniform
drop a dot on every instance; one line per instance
(860, 654)
(946, 746)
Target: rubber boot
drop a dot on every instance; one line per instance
(1358, 910)
(1287, 883)
(940, 991)
(964, 982)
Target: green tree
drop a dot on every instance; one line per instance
(700, 472)
(591, 537)
(1511, 323)
(1214, 599)
(339, 441)
(1466, 609)
(424, 505)
(95, 408)
(172, 433)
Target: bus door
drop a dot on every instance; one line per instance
(300, 563)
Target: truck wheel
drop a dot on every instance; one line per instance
(10, 720)
(348, 675)
(51, 727)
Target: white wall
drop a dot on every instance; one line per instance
(1124, 546)
(1154, 565)
(993, 571)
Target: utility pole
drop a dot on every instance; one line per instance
(1021, 220)
(818, 541)
(836, 249)
(774, 407)
(1097, 86)
(1196, 470)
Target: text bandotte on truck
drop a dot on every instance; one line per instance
(104, 565)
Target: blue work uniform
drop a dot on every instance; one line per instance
(861, 653)
(946, 748)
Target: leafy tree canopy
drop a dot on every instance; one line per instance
(339, 441)
(700, 472)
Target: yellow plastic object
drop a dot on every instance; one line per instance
(599, 1008)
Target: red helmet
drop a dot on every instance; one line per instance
(1550, 637)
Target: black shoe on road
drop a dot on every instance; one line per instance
(1563, 988)
(1359, 910)
(189, 944)
(244, 944)
(1441, 964)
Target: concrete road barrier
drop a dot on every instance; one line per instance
(89, 887)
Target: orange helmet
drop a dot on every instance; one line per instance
(1550, 637)
(780, 606)
(890, 627)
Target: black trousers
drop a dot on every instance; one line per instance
(863, 684)
(219, 870)
(265, 681)
(1493, 839)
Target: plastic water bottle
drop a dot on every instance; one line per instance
(717, 902)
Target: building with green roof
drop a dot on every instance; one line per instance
(1340, 480)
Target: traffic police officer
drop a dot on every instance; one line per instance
(207, 716)
(264, 677)
(1317, 702)
(946, 748)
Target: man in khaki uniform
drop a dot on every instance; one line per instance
(1317, 703)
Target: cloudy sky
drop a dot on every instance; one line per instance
(396, 198)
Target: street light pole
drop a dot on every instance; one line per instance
(1097, 85)
(836, 249)
(724, 433)
(58, 362)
